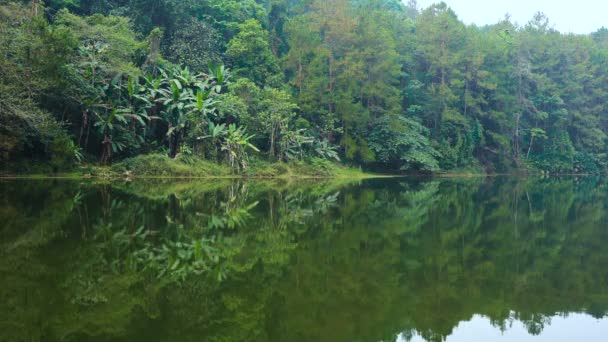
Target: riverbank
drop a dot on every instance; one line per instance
(161, 166)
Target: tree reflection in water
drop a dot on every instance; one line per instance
(251, 260)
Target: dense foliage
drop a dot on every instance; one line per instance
(375, 83)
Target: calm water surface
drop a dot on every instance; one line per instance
(498, 259)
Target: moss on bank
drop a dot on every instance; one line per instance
(161, 166)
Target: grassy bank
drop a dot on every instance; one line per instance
(157, 165)
(161, 166)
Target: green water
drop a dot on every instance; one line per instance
(379, 260)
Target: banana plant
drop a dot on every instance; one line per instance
(214, 135)
(187, 100)
(151, 86)
(220, 75)
(175, 98)
(213, 85)
(235, 145)
(325, 150)
(292, 144)
(111, 124)
(140, 99)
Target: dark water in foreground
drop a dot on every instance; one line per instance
(381, 260)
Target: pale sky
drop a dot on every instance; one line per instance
(579, 16)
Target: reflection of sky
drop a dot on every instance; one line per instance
(574, 328)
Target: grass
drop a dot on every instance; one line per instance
(313, 168)
(162, 167)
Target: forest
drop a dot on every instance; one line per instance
(380, 85)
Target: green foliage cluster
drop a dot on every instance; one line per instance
(380, 84)
(84, 72)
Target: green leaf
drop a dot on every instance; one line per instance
(130, 86)
(199, 100)
(178, 84)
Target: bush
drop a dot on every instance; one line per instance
(64, 153)
(586, 163)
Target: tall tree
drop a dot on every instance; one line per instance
(251, 56)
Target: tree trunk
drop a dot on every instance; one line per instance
(466, 93)
(35, 4)
(272, 136)
(346, 140)
(106, 154)
(173, 145)
(300, 75)
(173, 142)
(83, 126)
(86, 139)
(530, 146)
(332, 80)
(516, 138)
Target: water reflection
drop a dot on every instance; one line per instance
(241, 260)
(562, 328)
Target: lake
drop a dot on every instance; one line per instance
(404, 259)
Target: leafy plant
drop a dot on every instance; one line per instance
(187, 100)
(293, 144)
(401, 142)
(324, 149)
(235, 146)
(215, 133)
(112, 125)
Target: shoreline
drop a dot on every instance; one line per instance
(281, 177)
(79, 177)
(155, 166)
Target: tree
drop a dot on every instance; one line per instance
(277, 113)
(250, 54)
(235, 146)
(401, 144)
(32, 53)
(196, 45)
(186, 100)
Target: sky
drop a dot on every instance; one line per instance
(580, 16)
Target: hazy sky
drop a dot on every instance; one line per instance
(579, 16)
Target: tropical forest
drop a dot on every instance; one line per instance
(208, 87)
